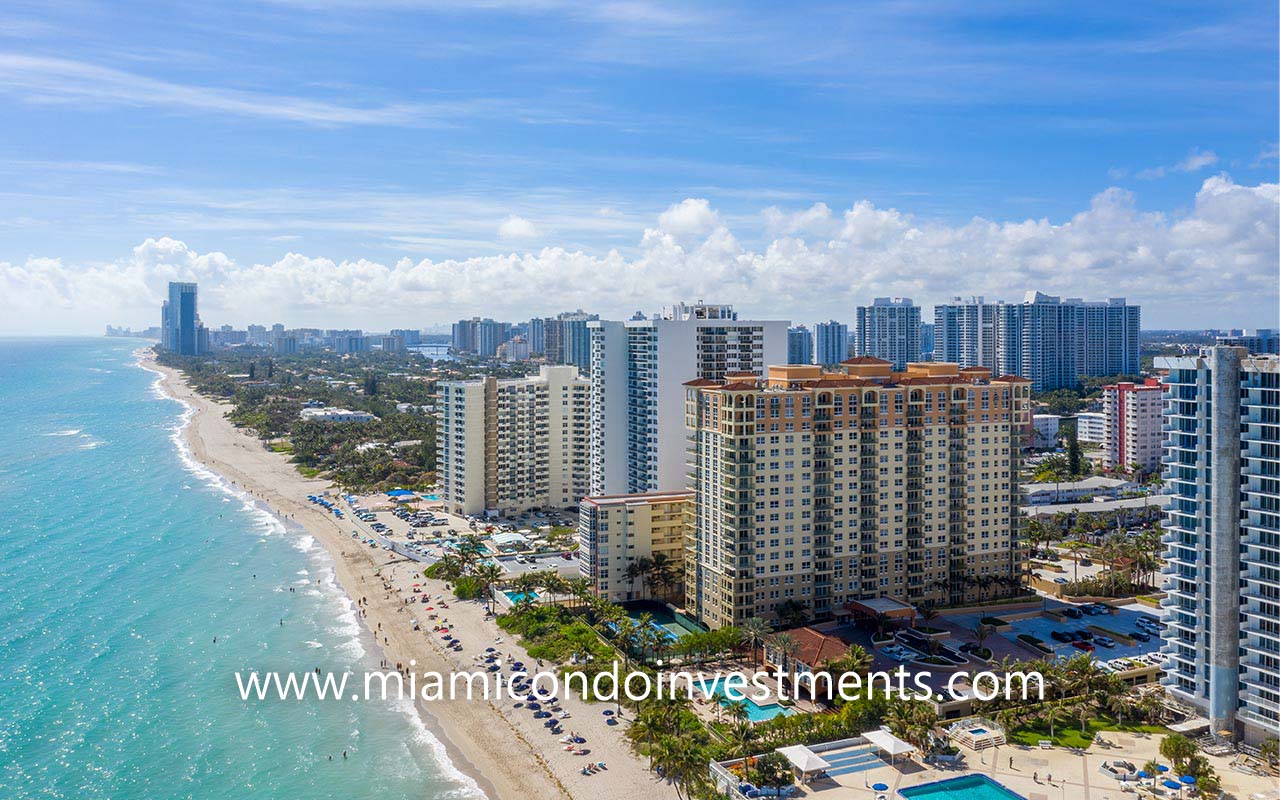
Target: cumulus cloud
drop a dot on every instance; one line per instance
(1214, 264)
(688, 218)
(514, 227)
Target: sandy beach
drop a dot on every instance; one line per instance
(508, 752)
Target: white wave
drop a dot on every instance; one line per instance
(302, 572)
(313, 644)
(348, 618)
(91, 444)
(68, 432)
(424, 737)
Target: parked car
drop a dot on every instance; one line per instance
(1105, 641)
(1061, 636)
(1071, 612)
(1083, 635)
(1061, 580)
(1085, 646)
(1140, 636)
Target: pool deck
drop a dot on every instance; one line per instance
(1075, 773)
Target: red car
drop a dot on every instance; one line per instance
(1085, 646)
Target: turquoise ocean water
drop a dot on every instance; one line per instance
(120, 561)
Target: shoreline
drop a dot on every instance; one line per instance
(478, 741)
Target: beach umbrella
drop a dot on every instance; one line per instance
(1161, 768)
(1188, 779)
(1144, 774)
(1172, 785)
(608, 712)
(880, 787)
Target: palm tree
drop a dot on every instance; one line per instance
(753, 632)
(488, 574)
(980, 633)
(660, 570)
(785, 645)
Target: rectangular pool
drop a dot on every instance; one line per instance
(516, 597)
(968, 787)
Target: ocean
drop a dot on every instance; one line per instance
(121, 560)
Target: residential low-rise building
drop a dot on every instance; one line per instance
(1091, 427)
(618, 531)
(328, 414)
(1040, 494)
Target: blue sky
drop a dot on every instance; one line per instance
(378, 131)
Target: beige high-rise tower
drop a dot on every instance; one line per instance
(508, 446)
(828, 488)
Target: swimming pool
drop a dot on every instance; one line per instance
(755, 711)
(516, 597)
(431, 497)
(969, 787)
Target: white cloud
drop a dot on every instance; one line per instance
(1214, 264)
(1195, 161)
(514, 227)
(688, 218)
(39, 79)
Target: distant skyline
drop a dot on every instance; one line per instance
(404, 163)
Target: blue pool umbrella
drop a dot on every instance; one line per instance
(1172, 785)
(1161, 768)
(880, 787)
(1188, 779)
(1144, 774)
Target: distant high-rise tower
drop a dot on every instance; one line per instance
(1048, 340)
(830, 342)
(180, 328)
(889, 328)
(799, 345)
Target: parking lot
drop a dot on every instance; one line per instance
(429, 542)
(1119, 620)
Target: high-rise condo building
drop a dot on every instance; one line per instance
(1046, 339)
(926, 341)
(480, 336)
(412, 336)
(799, 345)
(181, 331)
(889, 328)
(1261, 341)
(830, 343)
(568, 339)
(617, 531)
(829, 489)
(514, 445)
(537, 336)
(1222, 523)
(638, 368)
(1133, 420)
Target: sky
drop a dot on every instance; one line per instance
(404, 163)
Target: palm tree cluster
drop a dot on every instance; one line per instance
(1075, 690)
(658, 575)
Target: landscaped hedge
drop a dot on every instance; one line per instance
(1034, 643)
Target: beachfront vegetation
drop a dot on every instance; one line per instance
(268, 392)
